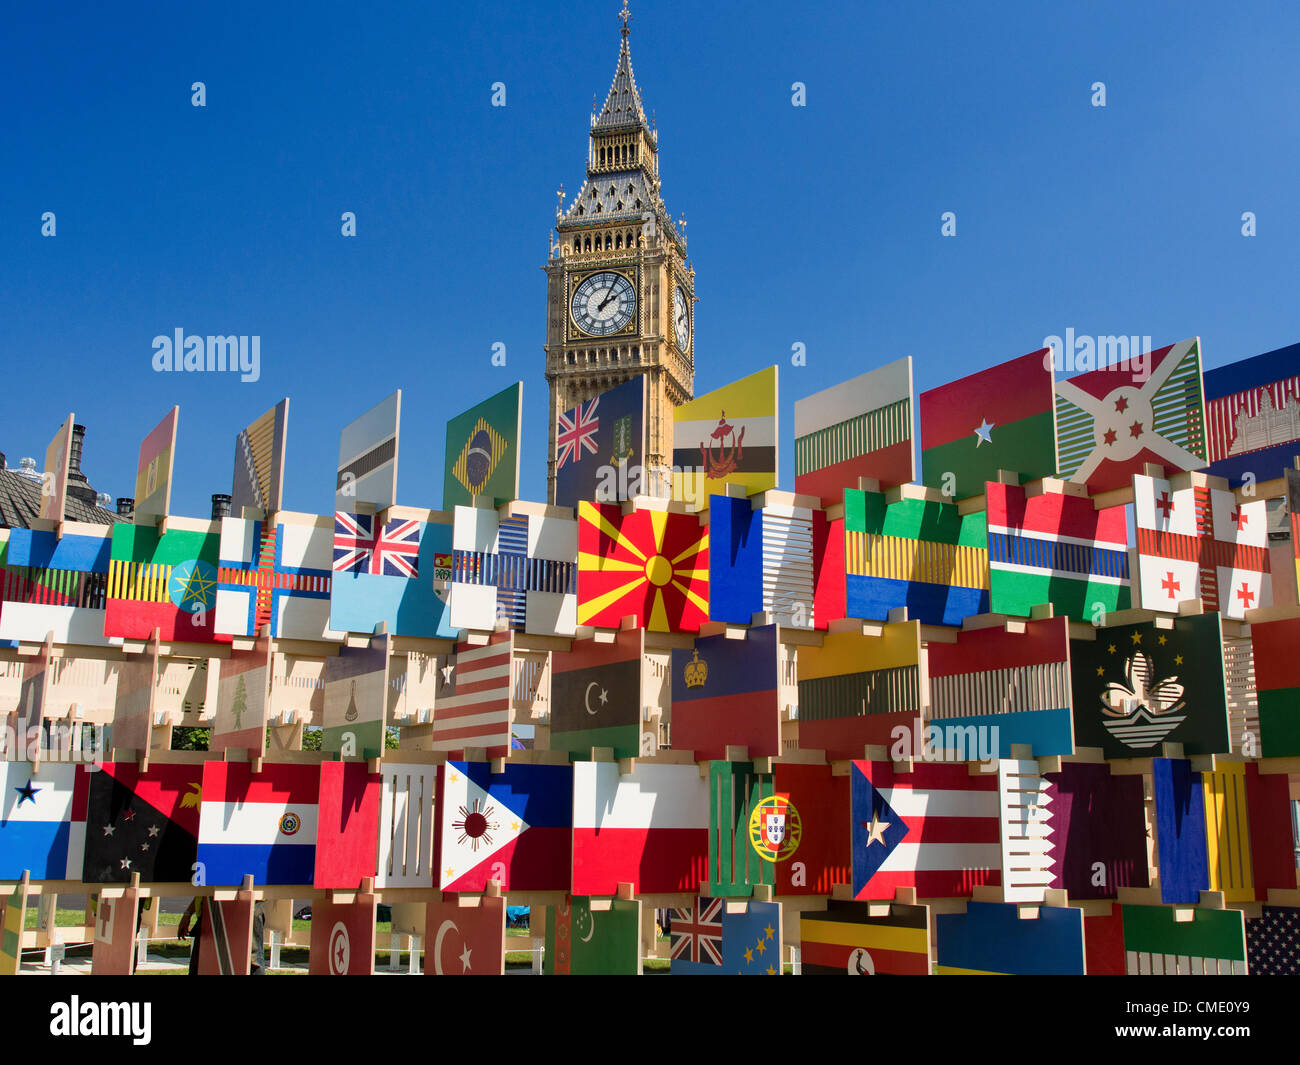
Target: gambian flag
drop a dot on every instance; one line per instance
(167, 582)
(1277, 679)
(727, 436)
(935, 829)
(263, 825)
(649, 828)
(995, 938)
(998, 419)
(865, 939)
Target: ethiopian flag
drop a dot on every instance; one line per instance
(167, 582)
(1002, 418)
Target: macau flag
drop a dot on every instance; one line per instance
(167, 582)
(727, 436)
(482, 455)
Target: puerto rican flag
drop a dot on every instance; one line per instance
(360, 546)
(263, 825)
(935, 829)
(575, 435)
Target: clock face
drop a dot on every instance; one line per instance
(681, 319)
(603, 304)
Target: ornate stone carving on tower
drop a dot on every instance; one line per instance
(620, 292)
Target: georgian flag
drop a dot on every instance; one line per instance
(1168, 544)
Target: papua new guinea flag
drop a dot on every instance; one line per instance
(146, 823)
(167, 582)
(997, 419)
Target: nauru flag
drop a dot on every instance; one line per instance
(263, 824)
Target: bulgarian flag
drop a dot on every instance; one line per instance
(998, 419)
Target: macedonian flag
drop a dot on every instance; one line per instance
(650, 565)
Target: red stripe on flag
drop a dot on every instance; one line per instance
(1004, 393)
(836, 956)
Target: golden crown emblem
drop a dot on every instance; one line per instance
(696, 672)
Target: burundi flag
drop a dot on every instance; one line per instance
(997, 419)
(40, 828)
(263, 824)
(482, 454)
(727, 436)
(716, 938)
(1159, 940)
(1252, 416)
(651, 565)
(865, 939)
(582, 940)
(153, 478)
(1277, 679)
(1112, 422)
(167, 582)
(859, 428)
(146, 823)
(998, 938)
(600, 447)
(917, 552)
(1055, 547)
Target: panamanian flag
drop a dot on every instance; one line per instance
(262, 825)
(38, 829)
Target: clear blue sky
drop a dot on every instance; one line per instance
(818, 224)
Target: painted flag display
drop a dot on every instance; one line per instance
(54, 479)
(859, 428)
(649, 828)
(515, 827)
(258, 479)
(243, 700)
(38, 831)
(406, 857)
(916, 553)
(1111, 422)
(467, 936)
(1030, 849)
(137, 689)
(598, 443)
(1249, 831)
(1277, 679)
(1252, 415)
(482, 453)
(356, 700)
(1197, 542)
(865, 939)
(1015, 681)
(1103, 936)
(855, 689)
(1271, 941)
(934, 829)
(1097, 818)
(153, 477)
(1138, 686)
(725, 693)
(367, 469)
(262, 825)
(998, 419)
(1180, 830)
(33, 693)
(13, 915)
(347, 825)
(472, 703)
(1157, 941)
(721, 938)
(342, 936)
(166, 582)
(762, 561)
(519, 571)
(800, 830)
(596, 696)
(740, 801)
(225, 937)
(1055, 547)
(650, 565)
(389, 578)
(993, 937)
(116, 922)
(278, 574)
(727, 436)
(584, 941)
(146, 823)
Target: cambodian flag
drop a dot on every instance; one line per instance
(262, 825)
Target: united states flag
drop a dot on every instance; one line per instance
(575, 435)
(360, 546)
(698, 940)
(472, 704)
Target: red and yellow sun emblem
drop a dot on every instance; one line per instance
(651, 565)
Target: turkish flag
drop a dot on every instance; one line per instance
(466, 936)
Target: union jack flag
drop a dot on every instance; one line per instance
(574, 435)
(698, 940)
(360, 548)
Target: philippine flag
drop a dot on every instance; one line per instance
(263, 825)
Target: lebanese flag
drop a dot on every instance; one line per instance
(649, 828)
(263, 825)
(348, 826)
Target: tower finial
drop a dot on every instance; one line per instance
(626, 16)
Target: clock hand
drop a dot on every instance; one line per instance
(607, 299)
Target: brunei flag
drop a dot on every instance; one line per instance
(727, 436)
(1277, 679)
(865, 939)
(167, 582)
(997, 419)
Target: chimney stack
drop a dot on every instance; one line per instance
(220, 506)
(74, 452)
(125, 507)
(78, 485)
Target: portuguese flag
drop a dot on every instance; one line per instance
(999, 419)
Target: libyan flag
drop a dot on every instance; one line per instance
(999, 419)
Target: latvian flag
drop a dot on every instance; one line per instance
(263, 824)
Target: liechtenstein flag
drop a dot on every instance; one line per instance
(262, 825)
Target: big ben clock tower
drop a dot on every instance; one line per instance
(620, 295)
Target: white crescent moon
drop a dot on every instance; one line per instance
(586, 698)
(591, 931)
(437, 946)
